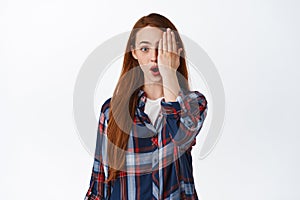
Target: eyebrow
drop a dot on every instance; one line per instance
(147, 42)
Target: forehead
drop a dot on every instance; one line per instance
(148, 33)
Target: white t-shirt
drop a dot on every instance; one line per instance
(152, 108)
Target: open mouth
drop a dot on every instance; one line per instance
(154, 69)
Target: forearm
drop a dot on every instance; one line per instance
(185, 117)
(170, 86)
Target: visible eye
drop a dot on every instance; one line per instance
(144, 49)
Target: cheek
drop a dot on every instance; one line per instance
(144, 68)
(143, 59)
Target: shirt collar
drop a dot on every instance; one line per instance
(142, 98)
(142, 116)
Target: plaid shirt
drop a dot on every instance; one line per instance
(158, 156)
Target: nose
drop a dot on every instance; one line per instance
(154, 53)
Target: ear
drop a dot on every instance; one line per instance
(133, 52)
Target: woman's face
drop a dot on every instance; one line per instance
(145, 51)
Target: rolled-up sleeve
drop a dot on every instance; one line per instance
(185, 117)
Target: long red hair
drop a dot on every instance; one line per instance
(125, 97)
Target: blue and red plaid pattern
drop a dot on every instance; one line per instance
(158, 156)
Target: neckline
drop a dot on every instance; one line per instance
(155, 100)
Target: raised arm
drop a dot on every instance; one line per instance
(185, 117)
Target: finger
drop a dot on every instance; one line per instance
(160, 46)
(170, 48)
(174, 44)
(179, 51)
(165, 46)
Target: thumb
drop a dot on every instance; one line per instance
(179, 51)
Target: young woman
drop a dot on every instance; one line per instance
(148, 127)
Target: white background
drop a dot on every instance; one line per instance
(254, 45)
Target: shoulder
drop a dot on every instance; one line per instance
(105, 108)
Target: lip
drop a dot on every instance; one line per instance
(155, 73)
(154, 66)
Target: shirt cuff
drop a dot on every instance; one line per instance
(172, 108)
(92, 197)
